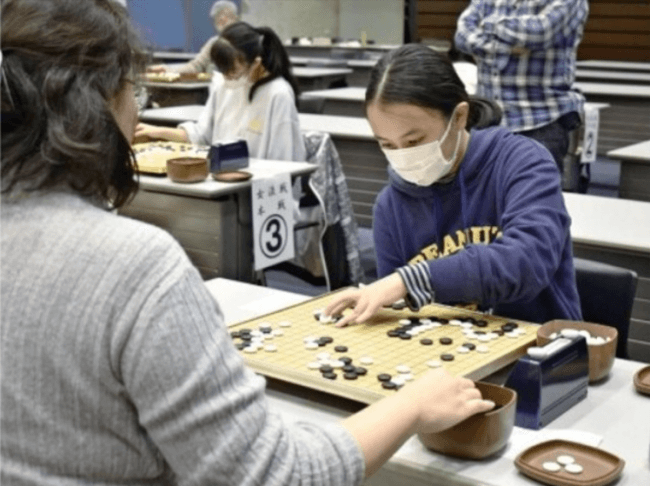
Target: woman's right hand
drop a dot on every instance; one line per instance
(157, 68)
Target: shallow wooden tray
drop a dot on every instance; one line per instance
(600, 467)
(642, 380)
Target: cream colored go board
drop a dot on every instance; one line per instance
(287, 357)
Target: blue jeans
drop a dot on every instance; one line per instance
(555, 136)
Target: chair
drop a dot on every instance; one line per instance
(326, 233)
(606, 296)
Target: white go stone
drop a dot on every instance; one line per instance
(256, 333)
(585, 333)
(398, 380)
(285, 324)
(403, 369)
(434, 363)
(462, 350)
(404, 322)
(513, 335)
(484, 338)
(553, 336)
(271, 348)
(551, 466)
(323, 356)
(318, 312)
(596, 341)
(425, 321)
(277, 332)
(408, 377)
(337, 364)
(250, 349)
(482, 348)
(314, 365)
(323, 319)
(366, 360)
(573, 468)
(455, 322)
(311, 345)
(569, 333)
(309, 339)
(565, 459)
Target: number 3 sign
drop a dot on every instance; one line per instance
(272, 206)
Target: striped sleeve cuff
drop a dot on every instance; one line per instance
(417, 280)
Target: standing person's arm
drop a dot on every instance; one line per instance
(470, 36)
(559, 22)
(201, 62)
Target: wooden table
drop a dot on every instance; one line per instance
(635, 170)
(613, 416)
(617, 231)
(211, 220)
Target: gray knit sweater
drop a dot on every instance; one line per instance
(117, 367)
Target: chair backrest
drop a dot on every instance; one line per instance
(340, 240)
(606, 296)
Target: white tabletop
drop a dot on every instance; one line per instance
(363, 63)
(211, 189)
(320, 61)
(185, 86)
(609, 222)
(605, 75)
(638, 152)
(618, 65)
(172, 114)
(181, 56)
(319, 72)
(613, 90)
(339, 126)
(352, 93)
(613, 416)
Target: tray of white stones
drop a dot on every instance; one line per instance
(566, 463)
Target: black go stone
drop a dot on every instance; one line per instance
(404, 336)
(234, 334)
(350, 375)
(245, 331)
(326, 369)
(479, 332)
(321, 343)
(507, 327)
(443, 321)
(514, 325)
(329, 376)
(345, 360)
(389, 385)
(240, 346)
(447, 357)
(340, 349)
(446, 340)
(470, 346)
(245, 337)
(349, 368)
(326, 339)
(384, 377)
(398, 305)
(414, 320)
(393, 333)
(266, 329)
(360, 370)
(481, 323)
(426, 341)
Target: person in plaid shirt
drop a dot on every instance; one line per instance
(526, 54)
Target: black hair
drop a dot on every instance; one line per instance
(416, 74)
(244, 43)
(63, 63)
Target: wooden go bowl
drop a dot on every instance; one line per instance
(480, 435)
(601, 356)
(187, 169)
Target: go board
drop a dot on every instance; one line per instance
(295, 345)
(152, 157)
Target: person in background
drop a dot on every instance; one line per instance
(253, 97)
(473, 214)
(465, 68)
(117, 368)
(526, 57)
(223, 13)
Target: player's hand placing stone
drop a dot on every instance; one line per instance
(366, 301)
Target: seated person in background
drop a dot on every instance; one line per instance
(253, 97)
(223, 13)
(471, 214)
(117, 368)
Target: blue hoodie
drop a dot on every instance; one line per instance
(496, 235)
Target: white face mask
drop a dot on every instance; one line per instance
(424, 164)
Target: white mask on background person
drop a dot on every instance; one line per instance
(424, 164)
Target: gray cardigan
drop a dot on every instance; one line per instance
(117, 367)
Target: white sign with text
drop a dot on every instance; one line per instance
(590, 140)
(272, 206)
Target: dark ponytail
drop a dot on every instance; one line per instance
(240, 41)
(417, 75)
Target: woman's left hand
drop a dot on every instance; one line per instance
(366, 301)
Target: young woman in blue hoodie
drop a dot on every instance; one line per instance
(473, 214)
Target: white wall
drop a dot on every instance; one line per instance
(382, 20)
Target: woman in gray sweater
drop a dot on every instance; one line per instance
(116, 364)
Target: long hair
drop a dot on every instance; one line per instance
(242, 42)
(63, 62)
(415, 74)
